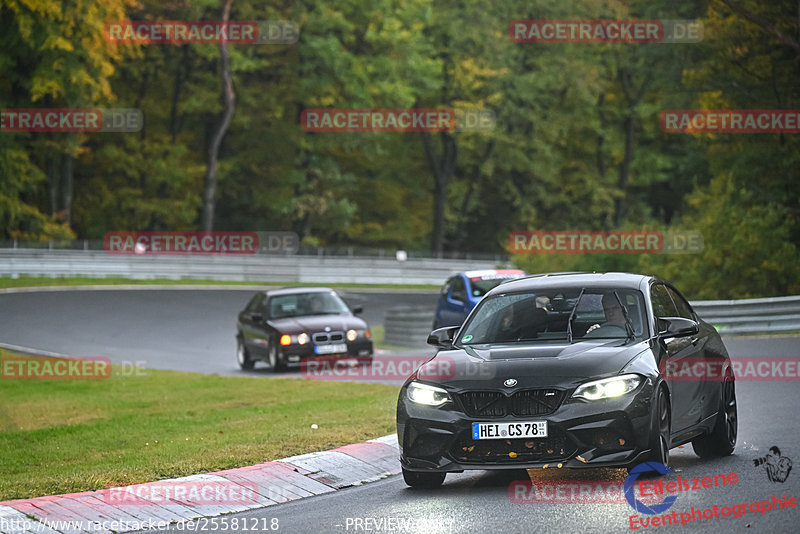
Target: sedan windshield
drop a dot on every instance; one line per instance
(298, 304)
(567, 314)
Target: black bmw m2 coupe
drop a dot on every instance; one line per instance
(568, 370)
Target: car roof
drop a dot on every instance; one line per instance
(297, 290)
(493, 272)
(575, 280)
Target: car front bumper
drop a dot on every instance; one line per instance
(581, 434)
(360, 348)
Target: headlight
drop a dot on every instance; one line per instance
(428, 395)
(608, 387)
(352, 335)
(300, 339)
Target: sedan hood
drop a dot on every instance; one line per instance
(558, 364)
(317, 323)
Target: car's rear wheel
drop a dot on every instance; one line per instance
(242, 356)
(423, 480)
(722, 439)
(274, 359)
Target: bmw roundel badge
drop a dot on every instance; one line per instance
(510, 383)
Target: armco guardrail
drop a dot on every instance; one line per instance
(751, 316)
(409, 326)
(261, 268)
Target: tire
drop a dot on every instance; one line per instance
(274, 359)
(242, 356)
(423, 480)
(660, 433)
(722, 439)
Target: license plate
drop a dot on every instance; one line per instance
(529, 429)
(330, 349)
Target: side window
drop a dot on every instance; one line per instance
(446, 287)
(662, 302)
(459, 290)
(254, 305)
(684, 310)
(261, 305)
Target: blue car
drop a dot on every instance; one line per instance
(462, 292)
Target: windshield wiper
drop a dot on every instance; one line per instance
(572, 316)
(628, 324)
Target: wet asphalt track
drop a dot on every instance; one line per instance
(175, 329)
(193, 330)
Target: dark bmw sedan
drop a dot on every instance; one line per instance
(567, 370)
(285, 326)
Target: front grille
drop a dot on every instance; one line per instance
(327, 337)
(522, 403)
(484, 403)
(536, 401)
(552, 448)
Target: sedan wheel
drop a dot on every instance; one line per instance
(722, 439)
(423, 480)
(273, 358)
(242, 357)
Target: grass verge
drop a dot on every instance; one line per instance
(26, 281)
(60, 436)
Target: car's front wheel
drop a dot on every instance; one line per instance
(273, 358)
(242, 356)
(423, 480)
(722, 439)
(660, 433)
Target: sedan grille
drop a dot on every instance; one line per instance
(522, 403)
(327, 337)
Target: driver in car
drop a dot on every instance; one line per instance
(613, 311)
(315, 305)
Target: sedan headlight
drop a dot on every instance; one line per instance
(352, 335)
(608, 387)
(300, 339)
(427, 395)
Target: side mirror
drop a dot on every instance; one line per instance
(443, 337)
(677, 327)
(357, 309)
(257, 318)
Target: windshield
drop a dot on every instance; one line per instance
(481, 286)
(556, 314)
(298, 304)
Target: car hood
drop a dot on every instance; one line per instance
(561, 365)
(317, 323)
